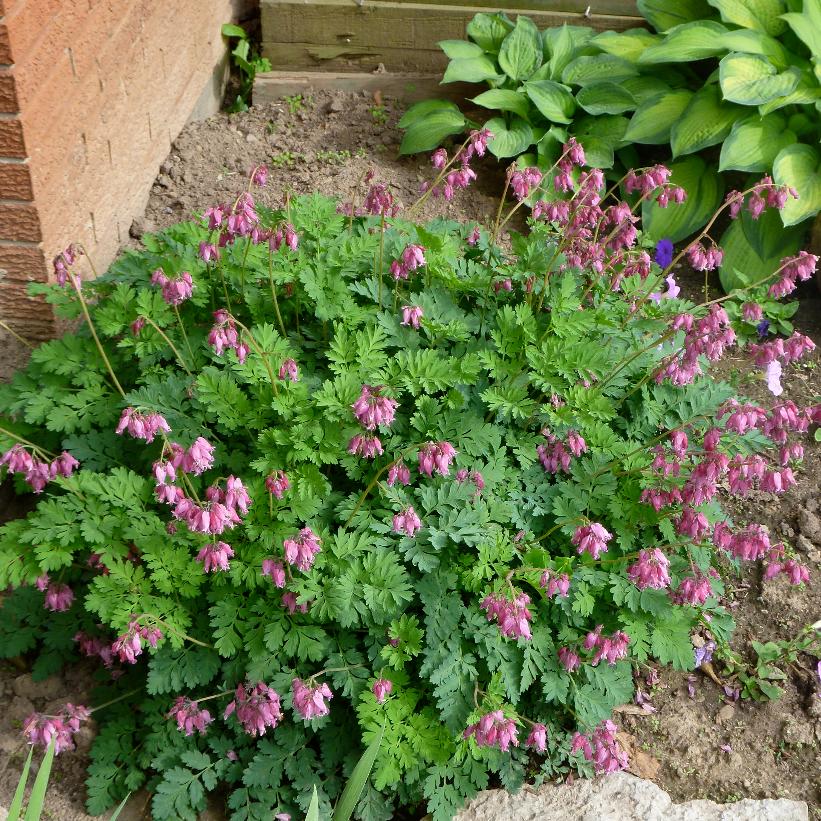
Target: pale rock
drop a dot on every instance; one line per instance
(619, 797)
(48, 689)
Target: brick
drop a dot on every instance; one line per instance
(12, 143)
(20, 223)
(22, 262)
(8, 92)
(5, 46)
(15, 181)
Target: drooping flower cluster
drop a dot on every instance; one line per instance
(275, 571)
(407, 522)
(310, 701)
(493, 730)
(289, 370)
(398, 472)
(233, 221)
(215, 556)
(765, 194)
(435, 457)
(301, 549)
(556, 455)
(413, 257)
(793, 269)
(174, 290)
(382, 688)
(365, 445)
(130, 644)
(257, 708)
(708, 336)
(95, 647)
(372, 409)
(592, 539)
(511, 614)
(277, 483)
(219, 512)
(601, 748)
(41, 730)
(36, 473)
(190, 717)
(463, 176)
(58, 597)
(651, 570)
(704, 258)
(537, 738)
(63, 263)
(610, 648)
(523, 182)
(143, 426)
(554, 585)
(412, 316)
(224, 336)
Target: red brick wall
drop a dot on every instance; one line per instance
(92, 93)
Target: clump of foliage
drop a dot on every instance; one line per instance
(322, 475)
(743, 76)
(247, 63)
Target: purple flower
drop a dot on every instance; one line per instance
(704, 654)
(664, 252)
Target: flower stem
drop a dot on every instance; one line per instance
(17, 336)
(75, 281)
(274, 291)
(184, 334)
(22, 441)
(168, 342)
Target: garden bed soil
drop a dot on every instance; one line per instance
(693, 747)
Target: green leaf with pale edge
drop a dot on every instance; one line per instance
(756, 42)
(359, 778)
(629, 45)
(704, 192)
(600, 136)
(509, 141)
(586, 70)
(764, 15)
(807, 26)
(460, 49)
(471, 70)
(426, 133)
(504, 100)
(521, 51)
(751, 79)
(753, 144)
(741, 265)
(687, 42)
(662, 15)
(554, 100)
(654, 119)
(799, 166)
(421, 110)
(605, 98)
(489, 30)
(706, 121)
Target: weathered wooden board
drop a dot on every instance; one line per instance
(341, 35)
(271, 86)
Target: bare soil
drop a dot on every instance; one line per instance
(701, 747)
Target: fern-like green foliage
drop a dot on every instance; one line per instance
(488, 372)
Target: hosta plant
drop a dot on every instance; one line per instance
(312, 477)
(728, 85)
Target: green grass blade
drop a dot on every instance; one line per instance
(359, 777)
(38, 791)
(17, 801)
(313, 809)
(119, 809)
